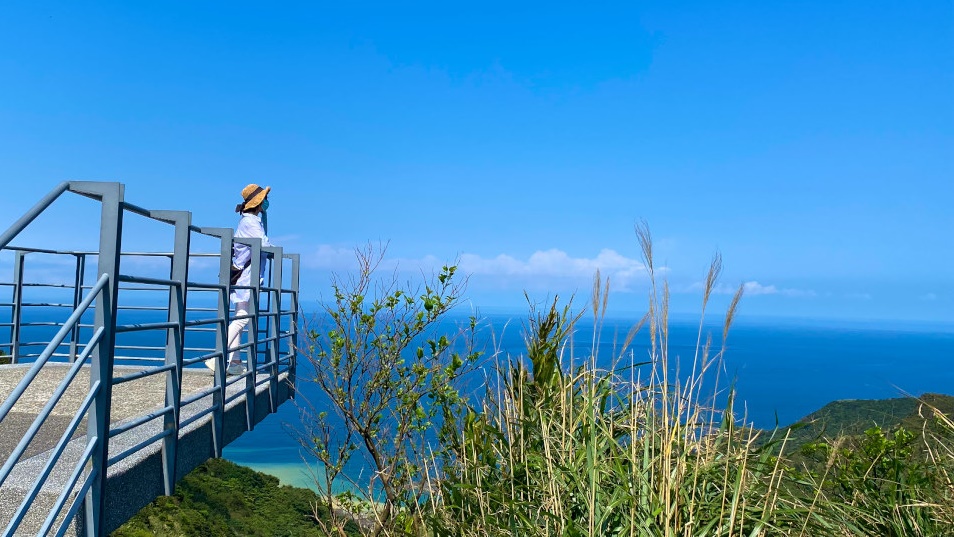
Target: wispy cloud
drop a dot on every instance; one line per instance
(547, 265)
(929, 297)
(859, 296)
(621, 270)
(752, 288)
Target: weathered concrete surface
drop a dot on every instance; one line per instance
(133, 482)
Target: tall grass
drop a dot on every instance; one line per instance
(562, 446)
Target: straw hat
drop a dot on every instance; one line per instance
(253, 195)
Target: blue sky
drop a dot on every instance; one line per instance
(811, 143)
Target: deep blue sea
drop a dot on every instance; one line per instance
(781, 370)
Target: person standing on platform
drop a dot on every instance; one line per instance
(251, 225)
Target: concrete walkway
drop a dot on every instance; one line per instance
(133, 482)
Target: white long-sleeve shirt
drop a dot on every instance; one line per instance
(249, 227)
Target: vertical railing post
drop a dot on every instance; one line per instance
(101, 366)
(274, 325)
(293, 324)
(175, 341)
(77, 298)
(17, 312)
(255, 283)
(221, 336)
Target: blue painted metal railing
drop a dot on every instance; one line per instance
(275, 343)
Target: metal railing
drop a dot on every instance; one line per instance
(192, 322)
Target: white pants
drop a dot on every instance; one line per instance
(235, 331)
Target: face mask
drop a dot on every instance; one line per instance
(265, 205)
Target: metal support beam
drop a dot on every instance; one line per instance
(17, 311)
(175, 346)
(221, 336)
(293, 325)
(101, 367)
(77, 298)
(253, 308)
(274, 325)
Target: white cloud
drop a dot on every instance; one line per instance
(859, 296)
(330, 258)
(558, 264)
(752, 288)
(542, 264)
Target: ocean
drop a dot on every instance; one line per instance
(781, 370)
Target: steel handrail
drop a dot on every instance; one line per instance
(45, 355)
(31, 215)
(41, 417)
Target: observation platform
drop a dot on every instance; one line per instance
(105, 398)
(135, 481)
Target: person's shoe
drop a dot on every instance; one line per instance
(235, 369)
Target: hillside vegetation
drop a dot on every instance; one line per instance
(220, 498)
(559, 445)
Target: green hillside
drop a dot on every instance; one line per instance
(853, 417)
(220, 498)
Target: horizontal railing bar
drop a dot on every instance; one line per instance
(133, 208)
(53, 285)
(118, 430)
(139, 348)
(42, 344)
(201, 322)
(134, 288)
(206, 286)
(143, 374)
(41, 323)
(203, 358)
(149, 359)
(236, 395)
(203, 310)
(241, 347)
(46, 305)
(143, 308)
(262, 366)
(196, 397)
(140, 445)
(145, 326)
(150, 281)
(199, 415)
(31, 250)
